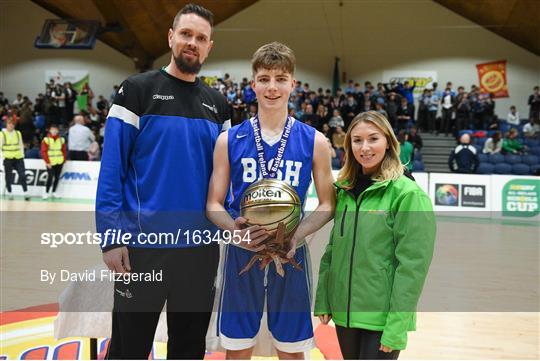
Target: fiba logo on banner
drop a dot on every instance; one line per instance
(473, 195)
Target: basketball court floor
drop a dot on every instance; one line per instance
(481, 299)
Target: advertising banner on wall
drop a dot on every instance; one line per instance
(77, 78)
(492, 78)
(423, 79)
(460, 192)
(486, 196)
(78, 179)
(516, 197)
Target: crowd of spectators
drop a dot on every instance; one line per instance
(62, 105)
(437, 111)
(517, 151)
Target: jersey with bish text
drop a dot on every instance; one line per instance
(294, 169)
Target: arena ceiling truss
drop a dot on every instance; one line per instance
(137, 28)
(515, 20)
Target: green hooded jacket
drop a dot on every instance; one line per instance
(376, 262)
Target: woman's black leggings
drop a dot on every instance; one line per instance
(360, 344)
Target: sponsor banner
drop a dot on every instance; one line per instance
(510, 197)
(77, 78)
(78, 179)
(423, 79)
(516, 197)
(460, 192)
(492, 78)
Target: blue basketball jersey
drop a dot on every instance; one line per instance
(294, 169)
(287, 298)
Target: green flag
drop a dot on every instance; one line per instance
(82, 102)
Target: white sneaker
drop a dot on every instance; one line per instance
(54, 196)
(10, 196)
(45, 195)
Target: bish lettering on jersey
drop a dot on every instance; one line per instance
(288, 171)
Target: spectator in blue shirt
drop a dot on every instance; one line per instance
(407, 91)
(249, 94)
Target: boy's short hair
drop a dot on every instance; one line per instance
(274, 56)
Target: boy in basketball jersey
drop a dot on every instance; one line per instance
(243, 155)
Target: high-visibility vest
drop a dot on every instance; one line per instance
(56, 156)
(11, 149)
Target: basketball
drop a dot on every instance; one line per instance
(270, 201)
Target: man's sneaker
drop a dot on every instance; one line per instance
(54, 195)
(45, 196)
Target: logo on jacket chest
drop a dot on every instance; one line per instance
(212, 107)
(288, 171)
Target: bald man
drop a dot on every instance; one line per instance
(79, 139)
(464, 158)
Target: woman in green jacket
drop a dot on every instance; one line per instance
(380, 248)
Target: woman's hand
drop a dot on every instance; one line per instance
(384, 348)
(325, 319)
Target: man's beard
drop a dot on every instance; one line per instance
(186, 67)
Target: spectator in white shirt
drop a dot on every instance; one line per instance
(18, 101)
(79, 139)
(494, 144)
(513, 117)
(531, 129)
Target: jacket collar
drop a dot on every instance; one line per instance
(340, 186)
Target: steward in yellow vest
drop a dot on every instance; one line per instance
(13, 154)
(53, 152)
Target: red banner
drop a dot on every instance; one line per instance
(492, 78)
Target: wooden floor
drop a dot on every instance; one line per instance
(480, 300)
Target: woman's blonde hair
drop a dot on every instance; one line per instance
(390, 168)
